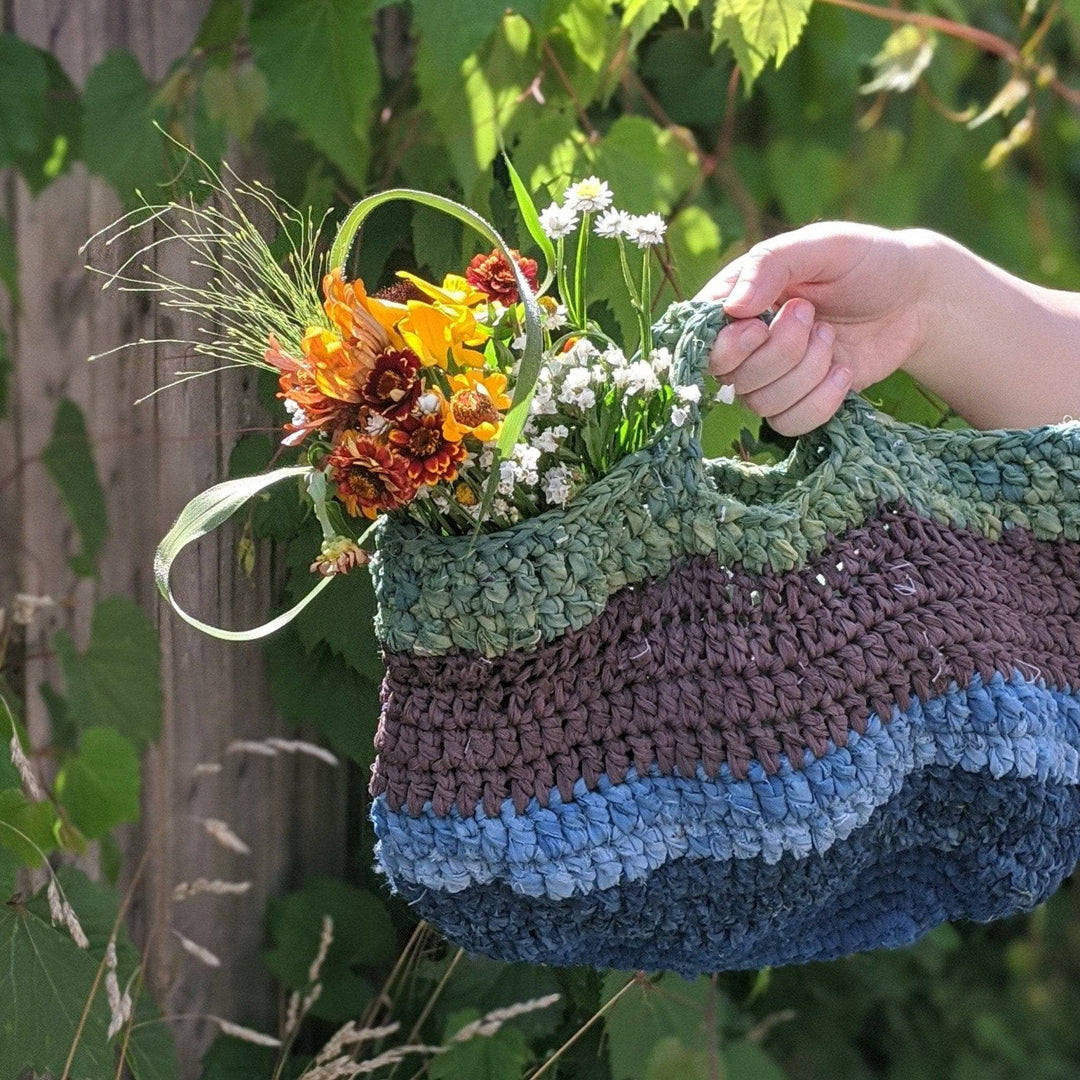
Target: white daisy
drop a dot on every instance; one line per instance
(589, 195)
(611, 223)
(558, 221)
(646, 230)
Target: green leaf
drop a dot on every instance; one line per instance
(221, 27)
(647, 1014)
(318, 689)
(234, 1059)
(695, 242)
(115, 683)
(235, 97)
(69, 460)
(26, 828)
(9, 868)
(670, 1060)
(472, 23)
(60, 141)
(99, 785)
(790, 160)
(745, 1061)
(45, 981)
(24, 84)
(120, 142)
(483, 1057)
(278, 514)
(759, 31)
(363, 938)
(321, 71)
(527, 209)
(151, 1051)
(491, 82)
(688, 78)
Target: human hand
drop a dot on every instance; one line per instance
(854, 307)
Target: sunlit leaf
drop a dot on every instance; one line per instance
(319, 61)
(115, 683)
(235, 96)
(759, 31)
(99, 784)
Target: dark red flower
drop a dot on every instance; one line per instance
(430, 456)
(494, 277)
(393, 384)
(369, 477)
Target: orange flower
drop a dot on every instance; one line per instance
(369, 477)
(310, 409)
(494, 277)
(476, 406)
(429, 455)
(365, 322)
(393, 384)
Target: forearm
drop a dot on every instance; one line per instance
(1001, 351)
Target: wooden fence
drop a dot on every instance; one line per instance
(151, 459)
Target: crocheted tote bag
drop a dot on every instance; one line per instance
(716, 716)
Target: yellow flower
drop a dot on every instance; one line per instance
(440, 332)
(476, 405)
(455, 290)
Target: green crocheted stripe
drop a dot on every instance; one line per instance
(529, 584)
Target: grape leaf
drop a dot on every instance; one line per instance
(759, 31)
(483, 1057)
(120, 142)
(363, 937)
(45, 980)
(26, 828)
(321, 71)
(99, 785)
(116, 682)
(647, 1014)
(69, 460)
(24, 83)
(60, 138)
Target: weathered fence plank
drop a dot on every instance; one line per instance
(152, 458)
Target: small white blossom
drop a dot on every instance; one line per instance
(611, 223)
(645, 230)
(641, 377)
(614, 357)
(507, 477)
(527, 461)
(517, 344)
(581, 352)
(661, 359)
(679, 415)
(543, 401)
(688, 393)
(589, 195)
(554, 320)
(558, 221)
(376, 424)
(549, 439)
(557, 486)
(726, 394)
(428, 403)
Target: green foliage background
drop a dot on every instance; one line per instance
(969, 128)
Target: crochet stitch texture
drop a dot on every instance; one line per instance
(714, 715)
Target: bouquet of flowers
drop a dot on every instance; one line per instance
(641, 709)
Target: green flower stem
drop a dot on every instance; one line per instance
(580, 260)
(564, 285)
(643, 318)
(646, 304)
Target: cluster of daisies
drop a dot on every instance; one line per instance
(400, 396)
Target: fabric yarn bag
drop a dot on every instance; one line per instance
(714, 716)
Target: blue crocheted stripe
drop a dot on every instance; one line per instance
(620, 833)
(952, 845)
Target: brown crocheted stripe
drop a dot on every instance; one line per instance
(712, 666)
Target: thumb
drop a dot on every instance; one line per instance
(764, 273)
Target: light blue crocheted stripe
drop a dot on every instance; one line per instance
(622, 832)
